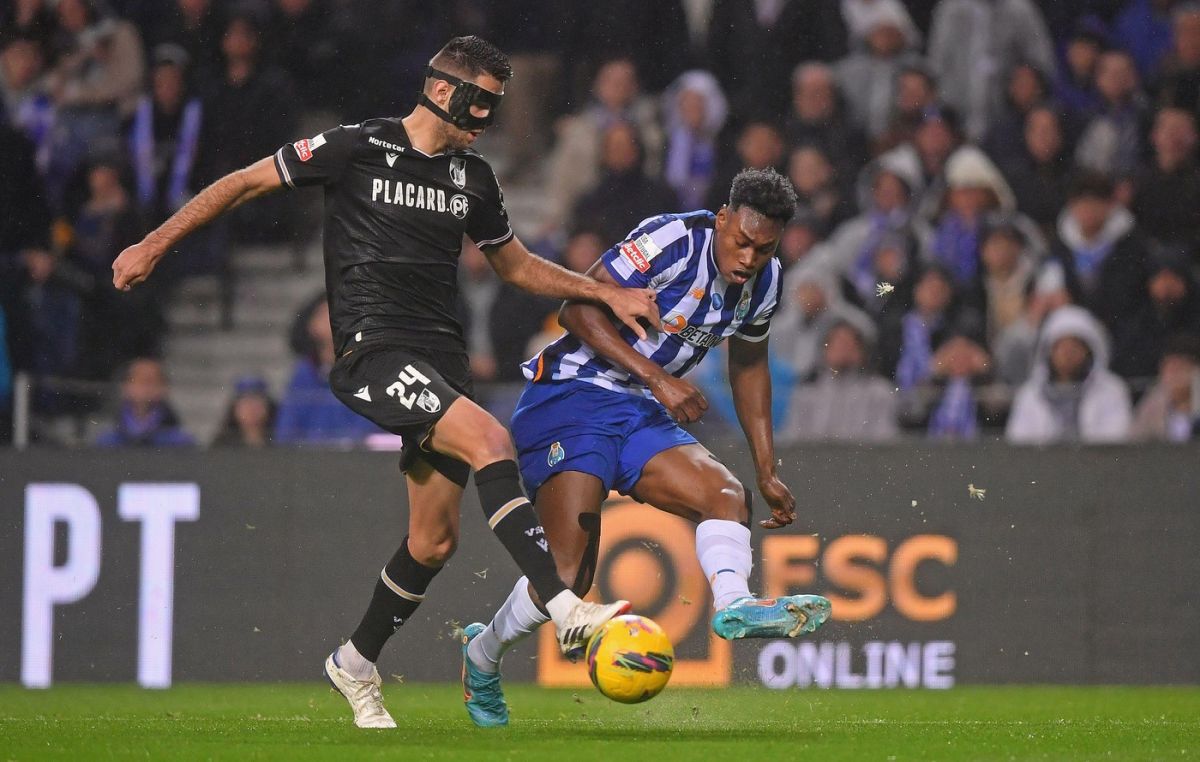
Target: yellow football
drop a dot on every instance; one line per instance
(630, 659)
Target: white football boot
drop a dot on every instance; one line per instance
(585, 619)
(364, 696)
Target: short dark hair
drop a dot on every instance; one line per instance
(766, 192)
(470, 56)
(1089, 184)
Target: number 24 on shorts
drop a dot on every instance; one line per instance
(408, 377)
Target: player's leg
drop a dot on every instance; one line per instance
(432, 537)
(689, 481)
(469, 433)
(569, 505)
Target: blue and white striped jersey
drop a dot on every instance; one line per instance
(673, 254)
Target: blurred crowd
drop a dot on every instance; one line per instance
(999, 232)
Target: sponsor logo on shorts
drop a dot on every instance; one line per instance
(364, 394)
(557, 453)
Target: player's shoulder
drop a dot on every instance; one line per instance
(667, 230)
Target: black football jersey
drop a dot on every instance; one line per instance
(394, 222)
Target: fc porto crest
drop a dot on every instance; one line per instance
(743, 305)
(557, 453)
(458, 171)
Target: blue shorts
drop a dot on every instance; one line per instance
(577, 426)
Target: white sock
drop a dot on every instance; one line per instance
(723, 548)
(516, 618)
(350, 660)
(560, 605)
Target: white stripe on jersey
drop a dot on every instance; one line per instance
(693, 331)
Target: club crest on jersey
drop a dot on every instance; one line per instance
(743, 306)
(458, 172)
(557, 453)
(459, 205)
(428, 401)
(640, 252)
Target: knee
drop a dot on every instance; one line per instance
(433, 550)
(492, 446)
(731, 504)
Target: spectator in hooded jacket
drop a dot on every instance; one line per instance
(973, 43)
(1098, 252)
(1071, 396)
(694, 111)
(1170, 411)
(868, 76)
(974, 188)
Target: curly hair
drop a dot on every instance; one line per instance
(766, 192)
(471, 56)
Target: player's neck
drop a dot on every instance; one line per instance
(424, 131)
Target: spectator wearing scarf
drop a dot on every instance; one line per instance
(164, 135)
(694, 111)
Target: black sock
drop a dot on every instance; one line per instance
(512, 518)
(400, 589)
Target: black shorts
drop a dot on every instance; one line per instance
(406, 393)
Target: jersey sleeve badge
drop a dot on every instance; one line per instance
(640, 252)
(304, 148)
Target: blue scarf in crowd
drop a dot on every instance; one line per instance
(956, 245)
(141, 141)
(956, 416)
(916, 351)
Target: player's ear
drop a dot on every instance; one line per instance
(722, 217)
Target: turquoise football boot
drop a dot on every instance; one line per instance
(783, 617)
(481, 690)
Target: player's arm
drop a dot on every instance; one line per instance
(136, 263)
(593, 327)
(525, 270)
(750, 380)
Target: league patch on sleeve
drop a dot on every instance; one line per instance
(640, 252)
(305, 148)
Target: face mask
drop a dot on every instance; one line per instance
(466, 95)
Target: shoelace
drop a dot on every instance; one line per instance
(369, 695)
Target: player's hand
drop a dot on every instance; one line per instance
(134, 265)
(680, 397)
(630, 305)
(780, 500)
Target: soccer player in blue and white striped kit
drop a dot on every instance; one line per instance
(602, 411)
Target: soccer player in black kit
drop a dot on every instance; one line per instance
(400, 194)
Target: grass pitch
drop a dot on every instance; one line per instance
(307, 721)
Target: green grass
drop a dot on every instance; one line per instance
(306, 721)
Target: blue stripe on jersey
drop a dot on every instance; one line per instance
(675, 257)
